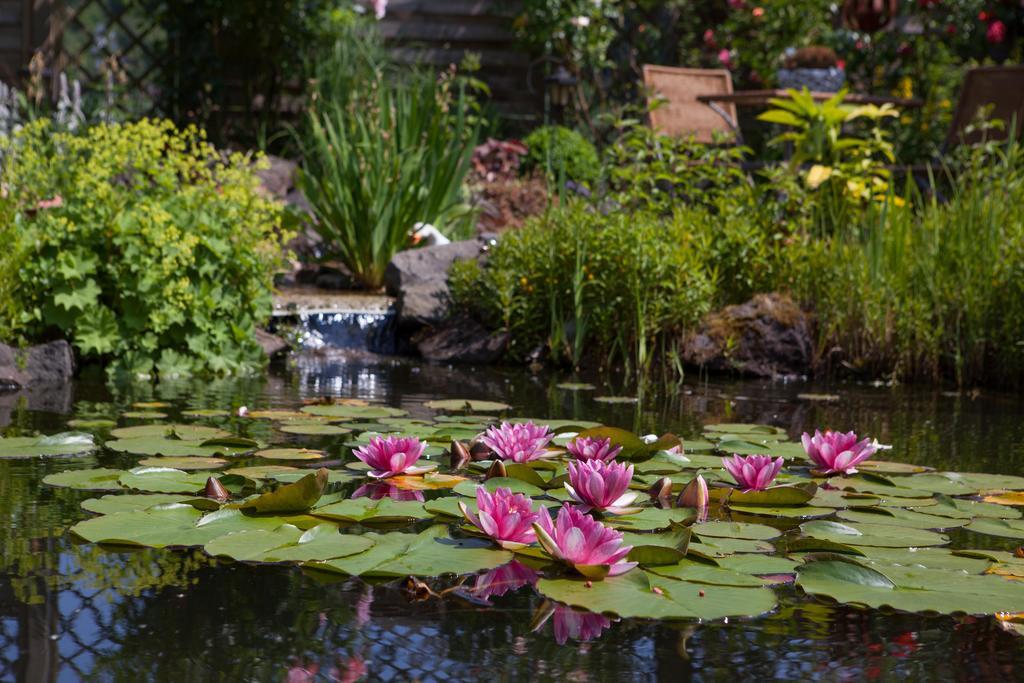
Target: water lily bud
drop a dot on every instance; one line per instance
(695, 495)
(661, 488)
(497, 469)
(214, 489)
(460, 455)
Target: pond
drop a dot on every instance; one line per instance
(71, 610)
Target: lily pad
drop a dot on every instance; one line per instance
(633, 595)
(775, 496)
(354, 412)
(743, 428)
(793, 511)
(658, 549)
(178, 431)
(66, 443)
(880, 535)
(617, 399)
(164, 480)
(289, 454)
(128, 502)
(91, 423)
(467, 405)
(912, 590)
(900, 517)
(649, 519)
(367, 510)
(98, 479)
(433, 553)
(386, 547)
(468, 488)
(184, 463)
(206, 412)
(295, 497)
(701, 572)
(1007, 528)
(314, 429)
(143, 415)
(750, 532)
(172, 524)
(575, 386)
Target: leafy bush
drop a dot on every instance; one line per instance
(935, 292)
(648, 170)
(140, 243)
(557, 150)
(382, 152)
(582, 283)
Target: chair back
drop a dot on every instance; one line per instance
(1002, 87)
(681, 114)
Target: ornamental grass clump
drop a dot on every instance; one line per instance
(140, 243)
(382, 152)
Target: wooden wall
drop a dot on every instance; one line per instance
(440, 32)
(24, 28)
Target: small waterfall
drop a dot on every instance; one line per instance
(329, 320)
(359, 330)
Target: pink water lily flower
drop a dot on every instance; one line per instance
(520, 442)
(599, 485)
(589, 448)
(501, 580)
(580, 626)
(506, 517)
(392, 455)
(835, 452)
(754, 472)
(579, 540)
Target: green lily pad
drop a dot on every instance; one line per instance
(746, 563)
(98, 479)
(468, 488)
(295, 497)
(633, 595)
(206, 412)
(737, 530)
(713, 548)
(775, 496)
(701, 572)
(184, 462)
(658, 549)
(164, 480)
(366, 510)
(575, 386)
(649, 519)
(128, 502)
(1007, 528)
(617, 399)
(910, 589)
(794, 511)
(880, 535)
(900, 517)
(66, 443)
(148, 445)
(467, 405)
(143, 415)
(179, 431)
(878, 488)
(961, 508)
(91, 423)
(433, 553)
(314, 429)
(289, 454)
(171, 524)
(267, 472)
(386, 547)
(354, 412)
(740, 428)
(292, 474)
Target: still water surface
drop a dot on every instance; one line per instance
(72, 612)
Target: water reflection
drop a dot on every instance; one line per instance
(77, 612)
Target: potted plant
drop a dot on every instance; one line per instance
(815, 68)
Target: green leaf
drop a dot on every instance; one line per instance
(367, 510)
(775, 496)
(99, 479)
(434, 552)
(295, 497)
(65, 443)
(880, 535)
(467, 405)
(96, 331)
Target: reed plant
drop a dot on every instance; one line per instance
(383, 150)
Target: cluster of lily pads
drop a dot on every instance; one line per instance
(590, 516)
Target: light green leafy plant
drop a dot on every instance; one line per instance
(140, 243)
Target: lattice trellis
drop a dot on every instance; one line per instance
(112, 45)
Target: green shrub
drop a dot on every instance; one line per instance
(557, 150)
(585, 284)
(648, 170)
(151, 248)
(382, 152)
(934, 292)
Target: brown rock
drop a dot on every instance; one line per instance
(768, 336)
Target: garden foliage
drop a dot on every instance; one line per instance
(558, 151)
(140, 243)
(383, 151)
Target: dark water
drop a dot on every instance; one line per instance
(76, 612)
